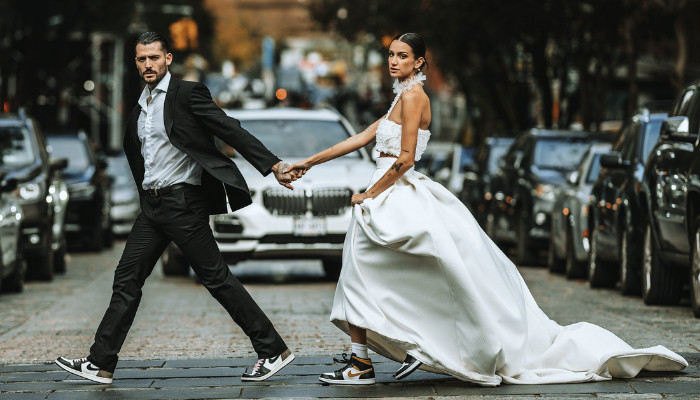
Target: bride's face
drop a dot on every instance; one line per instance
(402, 61)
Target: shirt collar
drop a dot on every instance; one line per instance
(161, 87)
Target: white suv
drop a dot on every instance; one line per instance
(308, 222)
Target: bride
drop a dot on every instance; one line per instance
(423, 284)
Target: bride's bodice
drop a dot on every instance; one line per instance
(389, 138)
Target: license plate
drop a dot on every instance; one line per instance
(309, 226)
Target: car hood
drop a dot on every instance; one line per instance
(353, 173)
(73, 177)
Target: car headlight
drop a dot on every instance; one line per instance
(30, 191)
(545, 191)
(82, 190)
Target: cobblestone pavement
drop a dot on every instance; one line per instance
(178, 321)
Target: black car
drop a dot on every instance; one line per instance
(526, 185)
(615, 208)
(88, 221)
(12, 267)
(26, 159)
(476, 191)
(671, 202)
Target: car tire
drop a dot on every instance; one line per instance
(59, 257)
(525, 254)
(14, 283)
(332, 268)
(660, 284)
(695, 272)
(40, 266)
(600, 274)
(574, 269)
(630, 277)
(554, 262)
(174, 263)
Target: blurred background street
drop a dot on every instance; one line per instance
(570, 130)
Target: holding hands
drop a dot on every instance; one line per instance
(283, 176)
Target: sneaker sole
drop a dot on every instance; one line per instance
(408, 370)
(370, 381)
(84, 375)
(269, 374)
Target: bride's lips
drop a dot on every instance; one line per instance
(393, 69)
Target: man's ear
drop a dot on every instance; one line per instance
(168, 59)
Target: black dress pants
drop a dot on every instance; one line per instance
(181, 216)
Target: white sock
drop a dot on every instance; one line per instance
(360, 350)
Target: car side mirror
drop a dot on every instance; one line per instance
(677, 129)
(614, 160)
(58, 164)
(572, 178)
(8, 185)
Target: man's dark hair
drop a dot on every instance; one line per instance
(150, 37)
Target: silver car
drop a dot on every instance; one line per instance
(125, 195)
(569, 239)
(309, 222)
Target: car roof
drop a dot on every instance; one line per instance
(284, 113)
(11, 120)
(557, 133)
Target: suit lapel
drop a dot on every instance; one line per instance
(170, 104)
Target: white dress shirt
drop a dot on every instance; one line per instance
(164, 164)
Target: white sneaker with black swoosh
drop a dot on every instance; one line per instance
(84, 369)
(266, 367)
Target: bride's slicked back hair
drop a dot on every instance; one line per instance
(417, 43)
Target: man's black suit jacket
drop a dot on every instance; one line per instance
(192, 119)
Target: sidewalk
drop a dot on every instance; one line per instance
(220, 379)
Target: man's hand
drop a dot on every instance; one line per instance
(283, 178)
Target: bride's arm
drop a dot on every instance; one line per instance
(340, 149)
(411, 108)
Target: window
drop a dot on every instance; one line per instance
(560, 154)
(74, 150)
(16, 148)
(651, 136)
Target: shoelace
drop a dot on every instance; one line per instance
(80, 360)
(258, 365)
(344, 360)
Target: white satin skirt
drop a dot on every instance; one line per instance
(423, 278)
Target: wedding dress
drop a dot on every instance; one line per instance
(422, 277)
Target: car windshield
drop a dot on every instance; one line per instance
(288, 138)
(16, 148)
(118, 168)
(559, 154)
(72, 149)
(595, 169)
(651, 135)
(497, 152)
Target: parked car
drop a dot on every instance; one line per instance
(615, 207)
(26, 160)
(87, 220)
(12, 267)
(569, 241)
(309, 222)
(671, 201)
(125, 204)
(533, 169)
(445, 162)
(476, 191)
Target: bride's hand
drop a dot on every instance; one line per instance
(298, 168)
(358, 198)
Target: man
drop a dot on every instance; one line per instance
(183, 178)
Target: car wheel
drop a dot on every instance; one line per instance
(660, 284)
(332, 267)
(695, 273)
(174, 263)
(59, 257)
(554, 262)
(630, 282)
(525, 254)
(599, 273)
(40, 265)
(574, 269)
(14, 283)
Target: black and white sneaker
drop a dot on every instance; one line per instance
(266, 367)
(409, 365)
(357, 371)
(84, 369)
